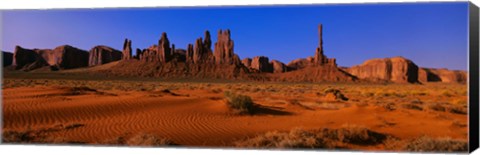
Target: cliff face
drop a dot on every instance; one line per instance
(396, 69)
(99, 55)
(441, 75)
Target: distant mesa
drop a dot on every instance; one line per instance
(402, 70)
(61, 57)
(441, 75)
(199, 61)
(7, 58)
(396, 69)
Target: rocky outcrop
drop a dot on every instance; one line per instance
(261, 63)
(162, 52)
(396, 69)
(27, 59)
(62, 57)
(67, 57)
(300, 63)
(441, 75)
(99, 55)
(224, 49)
(201, 52)
(7, 58)
(278, 67)
(127, 50)
(247, 62)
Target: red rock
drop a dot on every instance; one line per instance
(163, 48)
(189, 54)
(278, 67)
(441, 75)
(300, 63)
(223, 51)
(99, 55)
(261, 64)
(319, 58)
(62, 57)
(68, 57)
(23, 57)
(127, 50)
(247, 62)
(396, 69)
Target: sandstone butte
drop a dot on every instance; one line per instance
(199, 60)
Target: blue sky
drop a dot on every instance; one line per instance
(430, 34)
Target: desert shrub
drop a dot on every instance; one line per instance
(389, 106)
(437, 107)
(353, 134)
(462, 101)
(416, 101)
(25, 136)
(412, 106)
(458, 110)
(322, 138)
(428, 144)
(240, 103)
(338, 95)
(148, 140)
(446, 93)
(296, 138)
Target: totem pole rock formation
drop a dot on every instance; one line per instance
(320, 58)
(127, 50)
(163, 49)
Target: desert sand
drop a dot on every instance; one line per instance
(105, 112)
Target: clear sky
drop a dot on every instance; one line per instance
(430, 34)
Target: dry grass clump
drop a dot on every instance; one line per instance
(437, 107)
(39, 135)
(314, 139)
(25, 136)
(241, 104)
(428, 144)
(148, 140)
(336, 93)
(353, 134)
(458, 110)
(390, 106)
(296, 138)
(141, 139)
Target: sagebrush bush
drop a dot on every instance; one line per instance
(148, 140)
(322, 138)
(338, 95)
(428, 144)
(296, 138)
(240, 103)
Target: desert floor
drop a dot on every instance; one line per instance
(185, 113)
